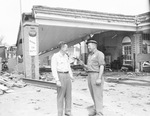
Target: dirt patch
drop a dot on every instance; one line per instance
(128, 97)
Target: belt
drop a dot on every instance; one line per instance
(63, 72)
(92, 72)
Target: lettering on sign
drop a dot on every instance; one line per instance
(32, 46)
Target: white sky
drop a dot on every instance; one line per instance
(10, 11)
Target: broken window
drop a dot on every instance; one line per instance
(146, 44)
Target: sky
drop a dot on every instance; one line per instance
(10, 11)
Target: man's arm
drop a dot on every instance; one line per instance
(85, 66)
(101, 71)
(54, 67)
(101, 62)
(70, 72)
(99, 79)
(82, 63)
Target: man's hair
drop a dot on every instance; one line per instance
(61, 44)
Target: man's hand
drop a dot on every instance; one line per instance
(72, 79)
(81, 62)
(58, 83)
(98, 81)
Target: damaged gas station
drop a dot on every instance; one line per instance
(124, 40)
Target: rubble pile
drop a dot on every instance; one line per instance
(9, 80)
(120, 76)
(46, 76)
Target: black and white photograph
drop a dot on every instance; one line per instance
(75, 58)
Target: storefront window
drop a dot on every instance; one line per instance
(126, 51)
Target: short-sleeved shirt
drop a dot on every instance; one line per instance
(60, 63)
(95, 60)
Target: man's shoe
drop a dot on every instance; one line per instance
(68, 114)
(99, 114)
(93, 113)
(91, 110)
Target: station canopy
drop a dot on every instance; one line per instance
(74, 26)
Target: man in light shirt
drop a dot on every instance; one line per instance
(62, 73)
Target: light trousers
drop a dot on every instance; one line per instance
(96, 91)
(64, 94)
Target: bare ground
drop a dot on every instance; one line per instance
(124, 95)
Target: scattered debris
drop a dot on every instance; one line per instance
(123, 68)
(112, 79)
(83, 74)
(122, 92)
(148, 103)
(77, 104)
(130, 73)
(133, 96)
(112, 89)
(118, 106)
(37, 108)
(1, 92)
(46, 76)
(144, 110)
(84, 89)
(38, 90)
(5, 89)
(111, 85)
(10, 80)
(106, 90)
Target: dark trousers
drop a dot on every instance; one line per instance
(96, 91)
(64, 94)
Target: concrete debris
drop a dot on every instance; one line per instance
(37, 108)
(148, 103)
(10, 80)
(77, 104)
(84, 89)
(38, 90)
(144, 110)
(130, 73)
(111, 79)
(122, 76)
(133, 96)
(134, 74)
(46, 76)
(1, 92)
(4, 89)
(124, 69)
(9, 91)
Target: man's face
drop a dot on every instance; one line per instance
(91, 47)
(65, 48)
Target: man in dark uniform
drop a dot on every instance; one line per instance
(95, 69)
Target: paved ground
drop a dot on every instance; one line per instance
(123, 96)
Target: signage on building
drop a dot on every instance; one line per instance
(32, 46)
(32, 43)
